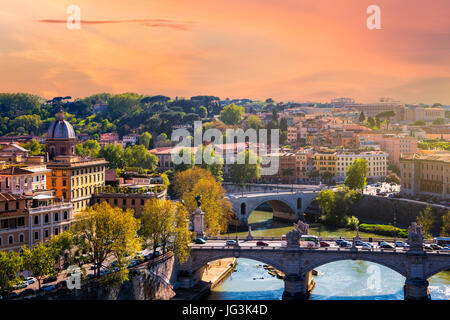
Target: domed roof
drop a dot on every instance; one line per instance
(60, 129)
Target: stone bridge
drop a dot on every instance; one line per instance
(297, 263)
(287, 206)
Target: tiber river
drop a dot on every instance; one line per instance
(342, 280)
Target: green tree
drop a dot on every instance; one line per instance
(336, 205)
(393, 178)
(182, 234)
(107, 233)
(62, 245)
(187, 163)
(10, 265)
(356, 174)
(246, 169)
(138, 156)
(40, 260)
(158, 222)
(145, 139)
(210, 161)
(114, 154)
(362, 117)
(426, 220)
(254, 122)
(34, 147)
(394, 169)
(90, 148)
(445, 229)
(232, 114)
(418, 123)
(439, 121)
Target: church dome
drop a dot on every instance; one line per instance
(60, 129)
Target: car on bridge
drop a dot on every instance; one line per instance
(231, 243)
(199, 241)
(366, 246)
(399, 243)
(345, 244)
(385, 245)
(324, 244)
(359, 242)
(262, 244)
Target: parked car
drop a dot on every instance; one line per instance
(148, 256)
(381, 242)
(62, 284)
(13, 295)
(345, 244)
(435, 246)
(30, 280)
(21, 285)
(199, 241)
(26, 292)
(262, 244)
(338, 241)
(427, 247)
(231, 243)
(358, 242)
(48, 287)
(283, 237)
(400, 244)
(324, 244)
(49, 279)
(132, 264)
(386, 245)
(156, 253)
(366, 246)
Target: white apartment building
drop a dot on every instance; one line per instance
(131, 139)
(377, 162)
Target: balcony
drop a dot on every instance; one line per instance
(51, 207)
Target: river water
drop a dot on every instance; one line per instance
(342, 280)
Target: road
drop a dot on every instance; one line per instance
(213, 244)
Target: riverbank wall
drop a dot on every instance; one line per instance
(208, 277)
(372, 209)
(152, 280)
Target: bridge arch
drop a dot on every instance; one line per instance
(320, 262)
(436, 270)
(202, 261)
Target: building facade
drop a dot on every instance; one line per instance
(426, 174)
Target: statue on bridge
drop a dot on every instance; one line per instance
(197, 198)
(293, 238)
(302, 227)
(415, 237)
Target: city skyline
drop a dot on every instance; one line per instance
(289, 50)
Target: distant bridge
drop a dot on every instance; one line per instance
(288, 206)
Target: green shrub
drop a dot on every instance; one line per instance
(384, 230)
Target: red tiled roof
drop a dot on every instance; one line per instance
(14, 171)
(4, 196)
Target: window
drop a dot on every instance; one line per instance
(1, 241)
(56, 216)
(56, 231)
(133, 202)
(17, 205)
(21, 238)
(21, 222)
(65, 215)
(46, 233)
(64, 183)
(124, 202)
(36, 219)
(5, 224)
(36, 235)
(10, 240)
(46, 218)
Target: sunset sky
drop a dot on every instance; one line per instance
(289, 50)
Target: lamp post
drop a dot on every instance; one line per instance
(395, 221)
